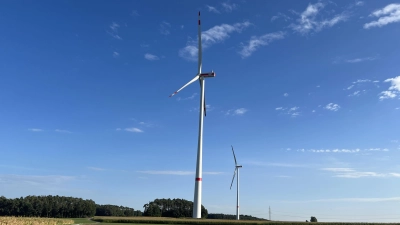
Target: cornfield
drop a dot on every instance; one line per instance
(33, 221)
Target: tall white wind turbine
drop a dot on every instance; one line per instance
(199, 76)
(237, 167)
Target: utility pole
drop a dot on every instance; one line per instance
(269, 213)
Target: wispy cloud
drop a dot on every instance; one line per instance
(351, 173)
(293, 111)
(290, 165)
(134, 13)
(393, 90)
(308, 21)
(62, 131)
(37, 180)
(256, 42)
(357, 60)
(229, 7)
(175, 172)
(187, 98)
(151, 57)
(391, 199)
(164, 28)
(134, 130)
(330, 150)
(377, 149)
(332, 107)
(240, 111)
(95, 168)
(114, 31)
(115, 54)
(388, 14)
(212, 9)
(147, 124)
(281, 15)
(286, 94)
(214, 35)
(35, 129)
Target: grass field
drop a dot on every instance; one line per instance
(33, 221)
(189, 221)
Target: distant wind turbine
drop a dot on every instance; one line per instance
(237, 167)
(199, 76)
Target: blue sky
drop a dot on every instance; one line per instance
(307, 92)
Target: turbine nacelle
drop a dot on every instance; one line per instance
(208, 75)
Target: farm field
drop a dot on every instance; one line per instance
(33, 221)
(167, 220)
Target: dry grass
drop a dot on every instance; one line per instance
(33, 221)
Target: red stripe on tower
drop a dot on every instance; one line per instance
(198, 179)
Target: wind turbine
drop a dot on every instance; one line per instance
(199, 76)
(237, 167)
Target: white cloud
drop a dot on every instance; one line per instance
(351, 173)
(290, 165)
(62, 131)
(357, 60)
(332, 107)
(334, 150)
(256, 42)
(350, 87)
(175, 172)
(114, 31)
(164, 28)
(240, 111)
(134, 130)
(115, 54)
(293, 111)
(280, 15)
(286, 94)
(378, 149)
(393, 90)
(357, 93)
(187, 98)
(229, 7)
(212, 9)
(36, 180)
(308, 21)
(391, 199)
(151, 57)
(388, 14)
(147, 124)
(209, 37)
(134, 13)
(35, 129)
(95, 168)
(359, 3)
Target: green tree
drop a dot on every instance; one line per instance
(313, 219)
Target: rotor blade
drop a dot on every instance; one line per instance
(200, 49)
(233, 178)
(193, 80)
(205, 106)
(234, 156)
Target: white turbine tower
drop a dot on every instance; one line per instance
(199, 76)
(237, 167)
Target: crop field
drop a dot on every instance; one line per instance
(167, 220)
(33, 221)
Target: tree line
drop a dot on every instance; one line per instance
(60, 207)
(171, 208)
(70, 207)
